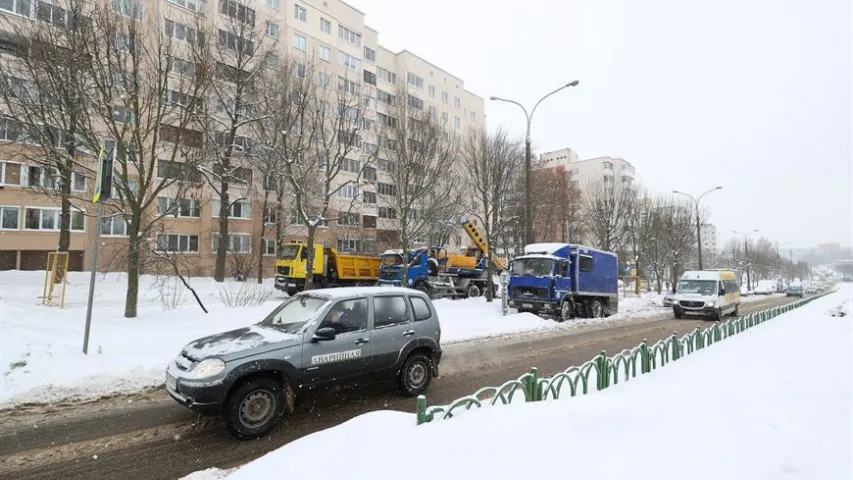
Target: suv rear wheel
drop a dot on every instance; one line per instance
(415, 375)
(254, 408)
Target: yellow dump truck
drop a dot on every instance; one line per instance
(331, 269)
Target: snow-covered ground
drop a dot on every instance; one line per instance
(745, 408)
(41, 359)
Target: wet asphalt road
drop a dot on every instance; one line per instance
(148, 436)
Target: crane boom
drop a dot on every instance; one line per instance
(480, 241)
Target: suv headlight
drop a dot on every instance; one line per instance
(207, 368)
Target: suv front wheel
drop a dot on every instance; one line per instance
(254, 408)
(415, 375)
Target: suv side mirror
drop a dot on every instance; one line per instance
(722, 291)
(323, 334)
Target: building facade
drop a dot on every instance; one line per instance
(709, 239)
(583, 172)
(331, 35)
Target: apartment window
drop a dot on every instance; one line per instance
(179, 66)
(348, 245)
(415, 102)
(346, 86)
(368, 197)
(349, 61)
(385, 165)
(350, 165)
(385, 75)
(348, 192)
(457, 102)
(367, 124)
(78, 182)
(124, 44)
(235, 42)
(325, 53)
(176, 99)
(384, 97)
(300, 42)
(295, 219)
(269, 247)
(387, 212)
(473, 116)
(369, 54)
(385, 120)
(174, 243)
(371, 148)
(325, 26)
(272, 4)
(457, 122)
(444, 97)
(124, 115)
(271, 61)
(183, 33)
(241, 209)
(10, 130)
(47, 219)
(192, 5)
(177, 171)
(299, 12)
(21, 7)
(40, 177)
(270, 215)
(128, 8)
(10, 174)
(414, 80)
(273, 29)
(10, 218)
(369, 101)
(349, 220)
(432, 112)
(237, 242)
(349, 35)
(369, 78)
(114, 226)
(185, 208)
(432, 91)
(445, 117)
(386, 189)
(325, 79)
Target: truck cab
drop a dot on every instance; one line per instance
(564, 281)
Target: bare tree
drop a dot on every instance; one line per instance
(419, 154)
(492, 163)
(44, 86)
(145, 98)
(606, 208)
(670, 239)
(237, 54)
(557, 204)
(639, 224)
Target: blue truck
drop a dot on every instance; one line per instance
(565, 281)
(430, 272)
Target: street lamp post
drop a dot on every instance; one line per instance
(528, 186)
(746, 252)
(698, 225)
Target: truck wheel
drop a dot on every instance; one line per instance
(734, 312)
(415, 375)
(567, 311)
(291, 291)
(472, 291)
(423, 287)
(254, 408)
(595, 309)
(677, 314)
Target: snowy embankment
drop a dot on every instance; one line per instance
(745, 408)
(41, 359)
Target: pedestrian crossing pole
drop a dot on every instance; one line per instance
(103, 190)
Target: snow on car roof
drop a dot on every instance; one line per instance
(544, 247)
(342, 292)
(701, 275)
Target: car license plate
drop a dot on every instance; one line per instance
(171, 382)
(526, 305)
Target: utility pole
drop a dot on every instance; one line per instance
(529, 236)
(698, 222)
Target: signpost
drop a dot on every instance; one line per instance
(103, 191)
(504, 294)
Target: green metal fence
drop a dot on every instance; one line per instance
(602, 371)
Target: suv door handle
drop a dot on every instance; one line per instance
(361, 341)
(408, 333)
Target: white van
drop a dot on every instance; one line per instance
(707, 293)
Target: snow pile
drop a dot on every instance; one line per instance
(761, 411)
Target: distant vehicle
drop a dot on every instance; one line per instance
(564, 280)
(707, 293)
(811, 290)
(745, 291)
(795, 290)
(314, 339)
(765, 288)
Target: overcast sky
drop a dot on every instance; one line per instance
(753, 95)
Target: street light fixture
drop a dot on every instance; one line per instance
(528, 194)
(746, 252)
(698, 229)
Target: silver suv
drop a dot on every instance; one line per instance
(317, 338)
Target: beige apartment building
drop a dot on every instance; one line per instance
(334, 36)
(583, 172)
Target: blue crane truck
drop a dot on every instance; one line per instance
(430, 273)
(565, 281)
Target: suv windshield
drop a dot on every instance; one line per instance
(702, 287)
(533, 266)
(294, 313)
(289, 252)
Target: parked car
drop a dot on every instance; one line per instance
(811, 290)
(765, 288)
(745, 291)
(316, 338)
(795, 291)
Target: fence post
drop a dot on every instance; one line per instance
(676, 348)
(603, 374)
(421, 410)
(645, 361)
(533, 386)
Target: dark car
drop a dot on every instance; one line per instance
(317, 338)
(795, 291)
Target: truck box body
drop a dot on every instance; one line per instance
(549, 274)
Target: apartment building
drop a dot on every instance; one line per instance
(709, 239)
(583, 172)
(331, 34)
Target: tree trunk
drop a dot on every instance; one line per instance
(222, 248)
(132, 296)
(309, 260)
(261, 243)
(65, 209)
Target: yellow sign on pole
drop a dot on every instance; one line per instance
(98, 181)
